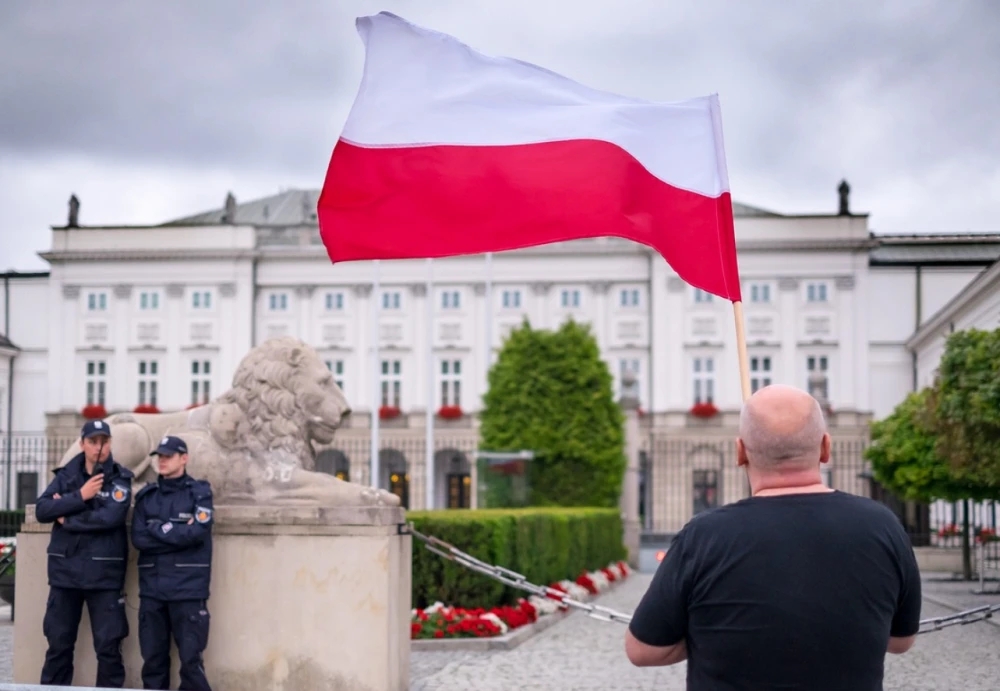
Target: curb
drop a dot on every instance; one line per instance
(955, 608)
(508, 641)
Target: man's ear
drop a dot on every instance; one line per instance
(741, 453)
(824, 449)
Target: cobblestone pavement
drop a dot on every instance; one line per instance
(581, 653)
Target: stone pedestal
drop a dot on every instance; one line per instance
(301, 599)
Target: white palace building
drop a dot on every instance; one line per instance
(160, 315)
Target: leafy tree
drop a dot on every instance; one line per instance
(968, 408)
(550, 392)
(904, 454)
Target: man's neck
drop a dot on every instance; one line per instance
(816, 488)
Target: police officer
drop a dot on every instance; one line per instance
(88, 503)
(172, 529)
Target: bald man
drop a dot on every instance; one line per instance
(796, 587)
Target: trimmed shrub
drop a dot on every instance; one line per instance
(546, 545)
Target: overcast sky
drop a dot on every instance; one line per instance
(150, 111)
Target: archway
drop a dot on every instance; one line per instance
(334, 462)
(452, 479)
(394, 475)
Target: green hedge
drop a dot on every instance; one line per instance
(544, 544)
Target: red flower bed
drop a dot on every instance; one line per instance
(450, 412)
(455, 622)
(94, 411)
(387, 412)
(146, 408)
(704, 410)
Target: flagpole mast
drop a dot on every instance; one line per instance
(429, 432)
(741, 349)
(374, 459)
(489, 311)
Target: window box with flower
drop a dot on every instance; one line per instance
(450, 412)
(389, 412)
(704, 410)
(94, 411)
(147, 408)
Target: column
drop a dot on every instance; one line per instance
(305, 327)
(840, 394)
(602, 321)
(65, 382)
(233, 336)
(540, 291)
(676, 391)
(422, 305)
(862, 371)
(365, 350)
(788, 301)
(659, 371)
(122, 397)
(175, 373)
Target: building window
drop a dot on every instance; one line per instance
(147, 382)
(390, 300)
(760, 292)
(702, 296)
(334, 302)
(278, 302)
(511, 299)
(450, 299)
(705, 488)
(149, 300)
(627, 365)
(97, 382)
(337, 367)
(97, 302)
(704, 379)
(816, 292)
(570, 298)
(760, 372)
(629, 297)
(820, 388)
(451, 383)
(392, 383)
(202, 300)
(201, 384)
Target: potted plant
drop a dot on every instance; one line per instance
(450, 412)
(388, 412)
(704, 410)
(94, 411)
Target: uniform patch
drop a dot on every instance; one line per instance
(202, 515)
(167, 527)
(119, 493)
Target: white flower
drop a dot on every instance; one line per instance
(544, 605)
(489, 616)
(600, 580)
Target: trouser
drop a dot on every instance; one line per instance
(108, 625)
(187, 622)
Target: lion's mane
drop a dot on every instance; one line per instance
(273, 427)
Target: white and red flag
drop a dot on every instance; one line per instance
(447, 151)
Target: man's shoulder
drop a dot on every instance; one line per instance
(744, 509)
(201, 488)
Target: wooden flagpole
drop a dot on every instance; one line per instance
(741, 349)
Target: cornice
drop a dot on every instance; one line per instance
(61, 257)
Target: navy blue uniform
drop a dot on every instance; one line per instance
(87, 556)
(172, 529)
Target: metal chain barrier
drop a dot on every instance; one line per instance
(516, 580)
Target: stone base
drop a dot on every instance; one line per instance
(301, 599)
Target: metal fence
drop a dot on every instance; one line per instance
(27, 462)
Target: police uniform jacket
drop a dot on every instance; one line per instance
(172, 529)
(89, 549)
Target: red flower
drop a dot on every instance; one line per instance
(439, 634)
(415, 629)
(387, 412)
(584, 581)
(450, 412)
(146, 408)
(94, 411)
(704, 410)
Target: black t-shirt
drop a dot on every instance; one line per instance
(785, 592)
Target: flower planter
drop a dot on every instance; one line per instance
(502, 628)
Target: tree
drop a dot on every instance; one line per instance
(550, 392)
(904, 454)
(968, 408)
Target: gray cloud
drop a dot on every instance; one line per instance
(898, 96)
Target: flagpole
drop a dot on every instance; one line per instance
(374, 459)
(489, 311)
(429, 432)
(741, 349)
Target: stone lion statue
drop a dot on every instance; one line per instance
(255, 442)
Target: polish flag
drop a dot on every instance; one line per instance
(447, 151)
